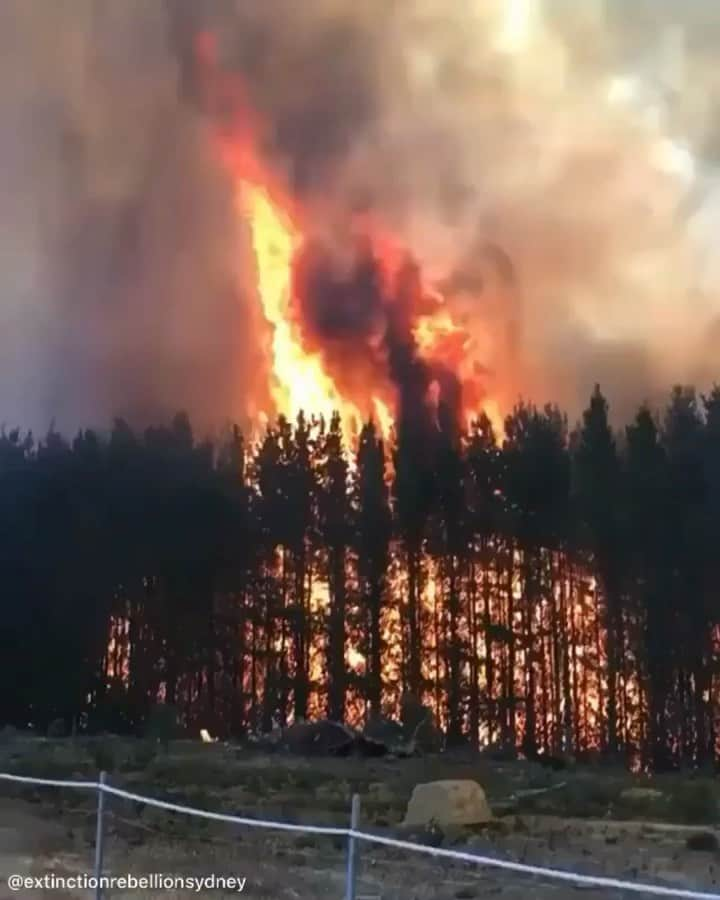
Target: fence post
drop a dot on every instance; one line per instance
(99, 831)
(354, 822)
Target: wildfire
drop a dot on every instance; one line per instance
(439, 334)
(300, 380)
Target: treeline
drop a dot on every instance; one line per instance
(553, 591)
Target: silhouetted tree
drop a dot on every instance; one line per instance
(374, 529)
(598, 496)
(548, 594)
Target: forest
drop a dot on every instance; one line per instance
(551, 590)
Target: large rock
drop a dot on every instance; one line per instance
(459, 802)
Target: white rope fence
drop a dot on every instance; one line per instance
(353, 834)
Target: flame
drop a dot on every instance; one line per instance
(436, 332)
(301, 383)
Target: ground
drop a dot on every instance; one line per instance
(588, 820)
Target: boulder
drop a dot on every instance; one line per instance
(450, 802)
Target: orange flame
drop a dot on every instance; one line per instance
(301, 383)
(300, 380)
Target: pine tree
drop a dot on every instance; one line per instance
(651, 552)
(373, 533)
(599, 504)
(335, 531)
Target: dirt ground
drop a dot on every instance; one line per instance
(303, 868)
(48, 830)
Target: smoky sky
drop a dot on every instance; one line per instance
(119, 244)
(124, 264)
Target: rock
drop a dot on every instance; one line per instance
(460, 802)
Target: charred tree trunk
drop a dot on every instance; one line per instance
(455, 717)
(474, 699)
(336, 637)
(301, 689)
(487, 630)
(414, 649)
(529, 601)
(374, 677)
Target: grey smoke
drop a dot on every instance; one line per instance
(123, 261)
(119, 246)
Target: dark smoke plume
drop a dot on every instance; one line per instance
(360, 318)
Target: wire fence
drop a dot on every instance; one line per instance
(353, 835)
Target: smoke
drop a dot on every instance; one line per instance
(361, 318)
(537, 158)
(543, 161)
(119, 244)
